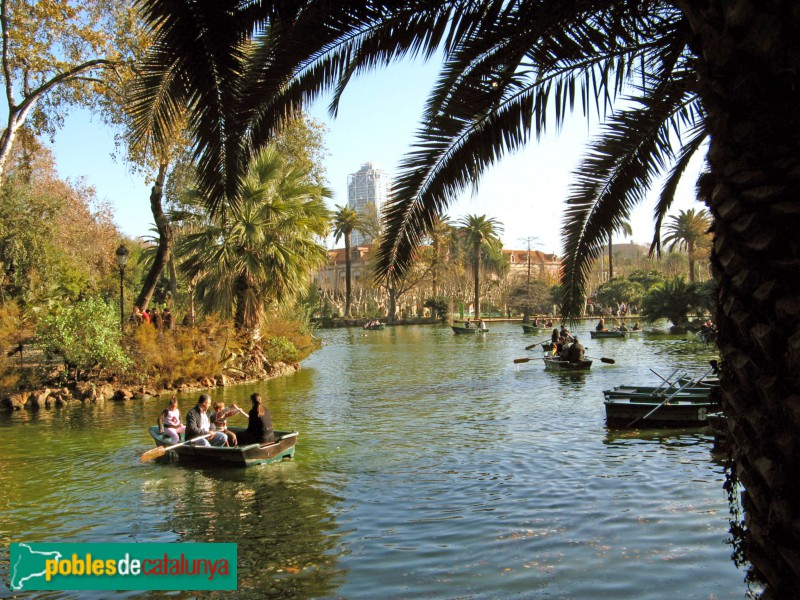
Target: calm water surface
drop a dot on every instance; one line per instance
(428, 465)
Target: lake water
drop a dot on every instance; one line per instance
(428, 465)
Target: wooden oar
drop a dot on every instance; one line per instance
(608, 361)
(160, 451)
(667, 399)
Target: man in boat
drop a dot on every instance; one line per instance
(198, 423)
(576, 351)
(467, 324)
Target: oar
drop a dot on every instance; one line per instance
(608, 361)
(532, 346)
(667, 399)
(160, 451)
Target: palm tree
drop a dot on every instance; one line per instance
(624, 227)
(479, 233)
(687, 231)
(345, 221)
(720, 71)
(263, 250)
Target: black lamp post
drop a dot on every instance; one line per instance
(122, 258)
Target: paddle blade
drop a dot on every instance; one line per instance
(531, 347)
(520, 360)
(156, 452)
(609, 361)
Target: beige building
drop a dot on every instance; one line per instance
(545, 267)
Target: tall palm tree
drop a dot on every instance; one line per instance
(479, 233)
(263, 250)
(346, 220)
(687, 231)
(720, 71)
(624, 227)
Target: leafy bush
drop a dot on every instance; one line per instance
(673, 300)
(438, 306)
(279, 349)
(86, 334)
(169, 357)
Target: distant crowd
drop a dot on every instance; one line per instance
(152, 316)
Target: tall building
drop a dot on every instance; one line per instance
(368, 184)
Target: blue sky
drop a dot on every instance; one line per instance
(377, 118)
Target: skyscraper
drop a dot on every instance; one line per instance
(367, 185)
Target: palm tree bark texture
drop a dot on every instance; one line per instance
(749, 77)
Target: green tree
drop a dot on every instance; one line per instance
(673, 300)
(86, 334)
(720, 71)
(688, 231)
(479, 233)
(346, 220)
(263, 250)
(618, 290)
(57, 54)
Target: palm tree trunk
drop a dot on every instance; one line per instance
(242, 286)
(164, 245)
(610, 259)
(476, 274)
(347, 307)
(690, 254)
(748, 78)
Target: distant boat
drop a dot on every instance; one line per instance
(459, 330)
(375, 326)
(532, 328)
(607, 334)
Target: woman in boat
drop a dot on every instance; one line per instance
(636, 326)
(481, 325)
(259, 424)
(169, 421)
(601, 325)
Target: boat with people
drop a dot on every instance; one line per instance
(526, 328)
(374, 326)
(470, 327)
(554, 363)
(609, 333)
(282, 448)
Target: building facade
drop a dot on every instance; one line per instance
(368, 185)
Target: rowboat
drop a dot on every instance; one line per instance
(642, 413)
(659, 393)
(606, 334)
(237, 456)
(459, 330)
(556, 364)
(375, 327)
(533, 328)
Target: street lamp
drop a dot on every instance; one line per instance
(122, 258)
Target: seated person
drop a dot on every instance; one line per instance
(636, 326)
(259, 424)
(576, 352)
(221, 415)
(198, 423)
(169, 421)
(601, 325)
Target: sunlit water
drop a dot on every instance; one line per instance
(428, 465)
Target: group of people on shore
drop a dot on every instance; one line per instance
(159, 319)
(209, 427)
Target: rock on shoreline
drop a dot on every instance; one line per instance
(86, 392)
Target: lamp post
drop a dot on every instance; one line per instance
(122, 258)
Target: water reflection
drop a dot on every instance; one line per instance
(428, 464)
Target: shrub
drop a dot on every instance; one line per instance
(86, 334)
